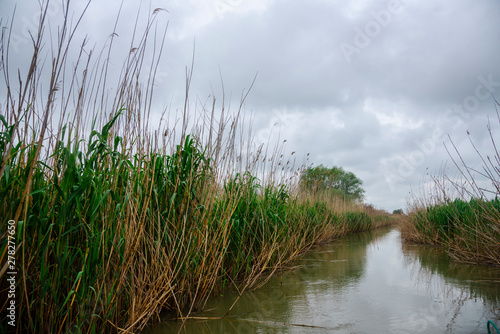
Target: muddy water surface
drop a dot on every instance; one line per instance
(366, 283)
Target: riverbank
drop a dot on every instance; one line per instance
(468, 230)
(361, 283)
(462, 213)
(109, 238)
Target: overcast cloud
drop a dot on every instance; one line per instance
(373, 86)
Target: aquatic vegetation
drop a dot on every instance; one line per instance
(468, 226)
(110, 238)
(468, 229)
(116, 222)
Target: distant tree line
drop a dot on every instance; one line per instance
(335, 180)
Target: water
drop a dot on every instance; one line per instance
(366, 283)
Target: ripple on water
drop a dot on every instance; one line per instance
(365, 283)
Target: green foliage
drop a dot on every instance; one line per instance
(469, 230)
(100, 220)
(357, 221)
(75, 221)
(397, 212)
(449, 220)
(334, 180)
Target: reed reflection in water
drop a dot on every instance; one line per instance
(366, 283)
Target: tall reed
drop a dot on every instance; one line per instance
(463, 216)
(116, 223)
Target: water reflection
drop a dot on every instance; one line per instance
(479, 281)
(365, 283)
(469, 295)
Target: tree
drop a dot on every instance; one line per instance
(321, 178)
(397, 212)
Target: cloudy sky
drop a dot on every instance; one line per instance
(375, 87)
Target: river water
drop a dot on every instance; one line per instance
(371, 282)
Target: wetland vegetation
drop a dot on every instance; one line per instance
(117, 220)
(462, 213)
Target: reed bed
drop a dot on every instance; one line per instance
(469, 230)
(467, 224)
(116, 222)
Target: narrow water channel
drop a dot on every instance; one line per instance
(366, 283)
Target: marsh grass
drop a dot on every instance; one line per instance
(115, 223)
(462, 216)
(468, 229)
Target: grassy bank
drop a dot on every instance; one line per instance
(469, 230)
(116, 220)
(468, 224)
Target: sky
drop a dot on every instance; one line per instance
(380, 88)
